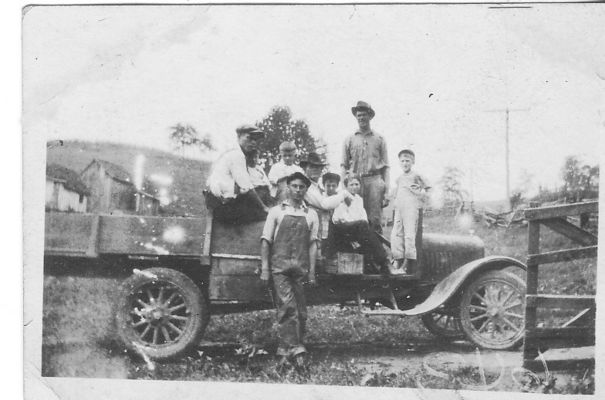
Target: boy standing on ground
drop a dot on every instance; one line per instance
(289, 254)
(282, 169)
(409, 198)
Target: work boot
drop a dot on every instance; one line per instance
(396, 267)
(409, 266)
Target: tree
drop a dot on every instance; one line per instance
(451, 186)
(579, 181)
(186, 136)
(279, 127)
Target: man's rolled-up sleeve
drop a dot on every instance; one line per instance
(314, 226)
(270, 226)
(239, 170)
(318, 200)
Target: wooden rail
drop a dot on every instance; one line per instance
(580, 330)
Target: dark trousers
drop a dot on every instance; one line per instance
(291, 313)
(240, 210)
(340, 237)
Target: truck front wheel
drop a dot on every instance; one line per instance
(160, 312)
(492, 310)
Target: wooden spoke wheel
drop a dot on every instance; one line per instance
(443, 323)
(492, 310)
(161, 312)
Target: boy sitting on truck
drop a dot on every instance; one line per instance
(351, 228)
(330, 182)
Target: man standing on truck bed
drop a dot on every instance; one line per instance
(365, 154)
(289, 253)
(231, 193)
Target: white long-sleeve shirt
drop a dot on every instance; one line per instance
(317, 199)
(352, 213)
(229, 175)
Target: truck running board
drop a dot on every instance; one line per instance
(394, 311)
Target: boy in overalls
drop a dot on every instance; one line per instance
(409, 197)
(289, 253)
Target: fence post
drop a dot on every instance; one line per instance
(529, 351)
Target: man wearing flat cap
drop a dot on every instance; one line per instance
(365, 154)
(232, 196)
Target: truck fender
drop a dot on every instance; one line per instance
(449, 286)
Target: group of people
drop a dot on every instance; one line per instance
(305, 221)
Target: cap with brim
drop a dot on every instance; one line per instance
(363, 106)
(247, 128)
(298, 175)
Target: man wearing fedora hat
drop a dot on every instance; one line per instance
(231, 193)
(365, 154)
(313, 165)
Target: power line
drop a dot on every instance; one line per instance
(507, 112)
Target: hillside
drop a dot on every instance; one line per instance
(188, 176)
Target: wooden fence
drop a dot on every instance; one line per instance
(579, 331)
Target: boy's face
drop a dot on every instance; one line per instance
(288, 157)
(353, 186)
(331, 187)
(297, 189)
(406, 161)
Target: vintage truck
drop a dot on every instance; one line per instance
(180, 271)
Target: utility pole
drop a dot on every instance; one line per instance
(507, 111)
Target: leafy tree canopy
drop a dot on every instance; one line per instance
(184, 136)
(279, 127)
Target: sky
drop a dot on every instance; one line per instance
(438, 77)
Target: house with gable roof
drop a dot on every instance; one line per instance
(112, 190)
(65, 191)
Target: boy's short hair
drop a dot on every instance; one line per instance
(350, 177)
(407, 152)
(287, 147)
(330, 177)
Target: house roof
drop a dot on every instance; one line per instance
(70, 178)
(118, 173)
(114, 170)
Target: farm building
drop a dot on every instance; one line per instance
(65, 191)
(112, 190)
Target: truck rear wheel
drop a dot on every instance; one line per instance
(492, 310)
(161, 313)
(443, 323)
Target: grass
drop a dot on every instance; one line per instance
(345, 348)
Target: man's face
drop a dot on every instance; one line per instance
(353, 186)
(405, 162)
(313, 172)
(297, 188)
(287, 157)
(249, 142)
(331, 187)
(363, 119)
